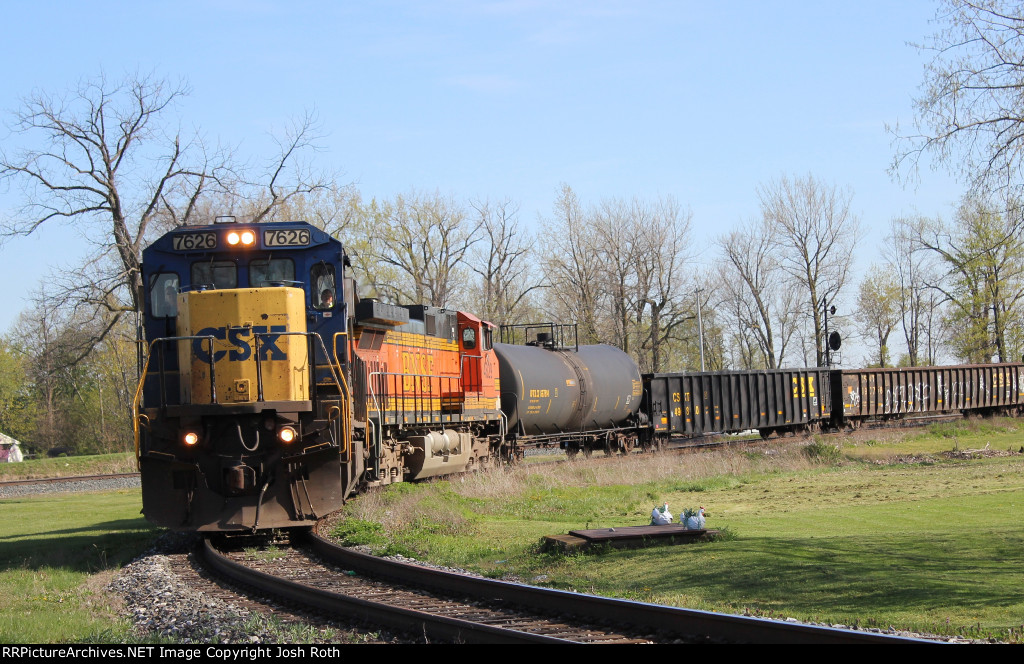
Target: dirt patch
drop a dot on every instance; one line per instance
(984, 453)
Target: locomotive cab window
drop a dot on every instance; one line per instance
(321, 284)
(468, 338)
(271, 271)
(163, 295)
(215, 274)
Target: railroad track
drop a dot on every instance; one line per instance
(70, 478)
(445, 606)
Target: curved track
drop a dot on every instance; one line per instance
(446, 606)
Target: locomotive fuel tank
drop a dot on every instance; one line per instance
(547, 391)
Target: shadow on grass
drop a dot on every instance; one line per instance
(858, 575)
(89, 549)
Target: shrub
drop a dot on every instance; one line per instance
(823, 452)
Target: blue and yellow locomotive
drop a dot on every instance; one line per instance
(270, 392)
(240, 413)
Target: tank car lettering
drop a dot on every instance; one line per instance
(199, 346)
(540, 394)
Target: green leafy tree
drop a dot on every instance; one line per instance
(17, 408)
(878, 310)
(983, 281)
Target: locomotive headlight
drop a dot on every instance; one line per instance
(287, 434)
(234, 238)
(248, 237)
(190, 438)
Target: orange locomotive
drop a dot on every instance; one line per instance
(427, 388)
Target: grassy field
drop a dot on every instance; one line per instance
(918, 530)
(99, 464)
(58, 553)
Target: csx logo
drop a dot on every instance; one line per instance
(242, 346)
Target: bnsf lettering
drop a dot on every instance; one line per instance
(416, 363)
(242, 348)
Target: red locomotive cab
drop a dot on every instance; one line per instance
(479, 365)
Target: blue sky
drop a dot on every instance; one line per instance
(509, 99)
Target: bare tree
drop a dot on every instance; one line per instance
(970, 114)
(504, 263)
(815, 233)
(913, 269)
(100, 159)
(661, 254)
(760, 299)
(617, 226)
(572, 265)
(426, 240)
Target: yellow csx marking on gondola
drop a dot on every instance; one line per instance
(803, 387)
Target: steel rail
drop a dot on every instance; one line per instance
(683, 623)
(377, 613)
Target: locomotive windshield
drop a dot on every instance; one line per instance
(217, 274)
(265, 272)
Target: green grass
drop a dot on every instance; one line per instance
(886, 531)
(997, 433)
(96, 464)
(932, 545)
(57, 553)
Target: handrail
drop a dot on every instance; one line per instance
(346, 394)
(417, 396)
(136, 400)
(310, 359)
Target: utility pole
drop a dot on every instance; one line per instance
(700, 329)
